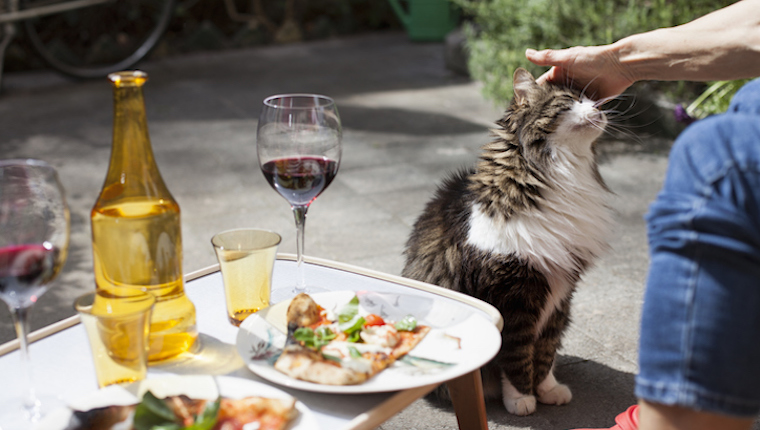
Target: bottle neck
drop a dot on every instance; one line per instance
(132, 171)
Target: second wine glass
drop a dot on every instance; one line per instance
(299, 149)
(34, 238)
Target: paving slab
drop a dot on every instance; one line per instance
(408, 122)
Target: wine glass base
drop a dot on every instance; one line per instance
(19, 415)
(287, 293)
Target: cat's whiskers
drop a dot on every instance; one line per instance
(596, 118)
(616, 117)
(599, 103)
(586, 87)
(570, 82)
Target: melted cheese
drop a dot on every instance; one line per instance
(384, 335)
(340, 350)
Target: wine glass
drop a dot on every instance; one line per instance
(299, 148)
(34, 238)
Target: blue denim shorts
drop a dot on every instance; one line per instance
(700, 330)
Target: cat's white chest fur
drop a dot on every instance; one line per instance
(574, 221)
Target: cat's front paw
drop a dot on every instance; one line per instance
(560, 394)
(524, 405)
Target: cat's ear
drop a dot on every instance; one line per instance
(524, 84)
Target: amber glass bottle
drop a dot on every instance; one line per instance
(136, 234)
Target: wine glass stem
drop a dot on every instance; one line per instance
(299, 212)
(21, 321)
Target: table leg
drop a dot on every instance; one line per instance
(469, 405)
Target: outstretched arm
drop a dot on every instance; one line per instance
(722, 45)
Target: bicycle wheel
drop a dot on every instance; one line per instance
(93, 41)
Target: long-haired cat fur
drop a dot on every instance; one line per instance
(518, 230)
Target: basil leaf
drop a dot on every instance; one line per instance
(408, 323)
(207, 419)
(305, 335)
(319, 343)
(323, 336)
(354, 352)
(352, 325)
(331, 357)
(153, 412)
(355, 336)
(349, 310)
(324, 333)
(349, 321)
(171, 426)
(314, 339)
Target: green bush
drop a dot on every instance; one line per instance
(715, 99)
(499, 31)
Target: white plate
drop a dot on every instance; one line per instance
(194, 386)
(458, 336)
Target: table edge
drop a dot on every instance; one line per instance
(487, 308)
(491, 311)
(40, 334)
(389, 408)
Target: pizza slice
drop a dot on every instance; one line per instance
(343, 349)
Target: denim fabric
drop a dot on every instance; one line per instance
(700, 331)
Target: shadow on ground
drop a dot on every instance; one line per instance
(597, 390)
(405, 121)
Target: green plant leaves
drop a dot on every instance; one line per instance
(499, 31)
(153, 413)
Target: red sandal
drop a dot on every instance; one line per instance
(628, 420)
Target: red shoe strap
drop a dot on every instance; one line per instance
(628, 420)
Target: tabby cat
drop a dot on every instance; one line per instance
(518, 230)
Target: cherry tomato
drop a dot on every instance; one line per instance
(373, 319)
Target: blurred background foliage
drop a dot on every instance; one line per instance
(207, 25)
(277, 21)
(499, 31)
(714, 99)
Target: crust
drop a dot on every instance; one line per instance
(302, 363)
(305, 364)
(409, 339)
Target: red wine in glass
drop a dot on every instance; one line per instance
(300, 179)
(25, 271)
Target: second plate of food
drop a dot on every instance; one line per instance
(199, 387)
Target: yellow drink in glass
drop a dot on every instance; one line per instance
(138, 246)
(117, 328)
(246, 259)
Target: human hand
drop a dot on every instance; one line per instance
(593, 69)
